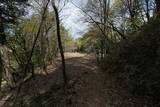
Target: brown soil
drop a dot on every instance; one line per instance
(92, 87)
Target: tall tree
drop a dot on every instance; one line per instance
(147, 9)
(59, 41)
(157, 6)
(10, 11)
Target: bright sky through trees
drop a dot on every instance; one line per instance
(74, 18)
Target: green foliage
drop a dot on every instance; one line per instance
(11, 10)
(20, 43)
(67, 41)
(79, 46)
(137, 61)
(90, 41)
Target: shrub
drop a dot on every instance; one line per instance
(137, 62)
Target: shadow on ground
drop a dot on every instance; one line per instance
(43, 83)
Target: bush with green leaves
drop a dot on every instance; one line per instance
(137, 61)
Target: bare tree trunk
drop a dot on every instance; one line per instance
(2, 41)
(2, 34)
(147, 10)
(1, 70)
(60, 43)
(37, 36)
(32, 49)
(102, 49)
(157, 6)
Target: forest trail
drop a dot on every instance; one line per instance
(84, 78)
(95, 88)
(88, 86)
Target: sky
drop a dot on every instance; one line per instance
(72, 18)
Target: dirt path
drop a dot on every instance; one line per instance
(84, 79)
(99, 89)
(90, 93)
(87, 86)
